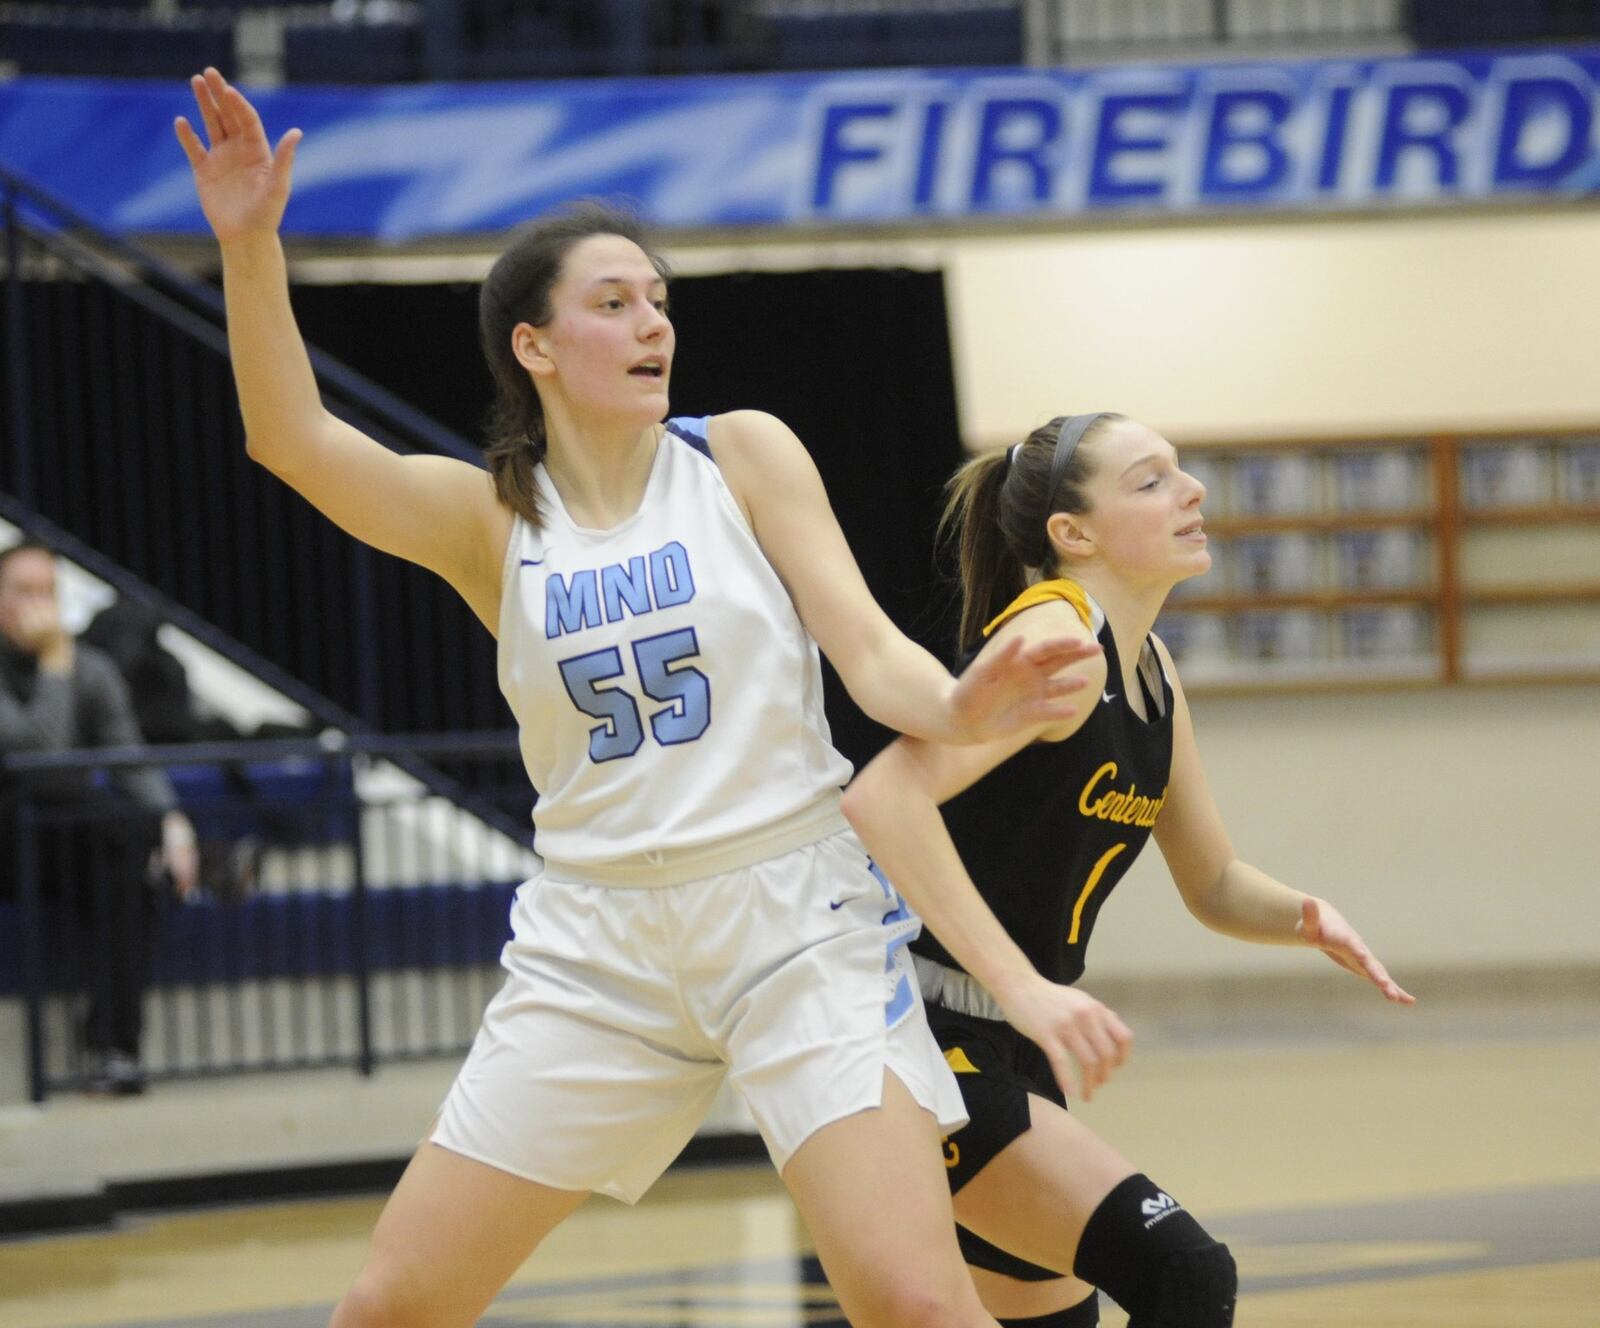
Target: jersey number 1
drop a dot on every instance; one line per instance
(1106, 859)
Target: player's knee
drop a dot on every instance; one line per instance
(918, 1308)
(374, 1302)
(899, 1303)
(1149, 1255)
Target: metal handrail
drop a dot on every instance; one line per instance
(131, 587)
(334, 752)
(197, 310)
(203, 298)
(486, 743)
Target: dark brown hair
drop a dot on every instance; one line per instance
(517, 290)
(996, 507)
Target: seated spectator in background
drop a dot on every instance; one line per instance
(57, 694)
(157, 684)
(167, 710)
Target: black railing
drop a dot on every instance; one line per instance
(344, 916)
(430, 40)
(124, 447)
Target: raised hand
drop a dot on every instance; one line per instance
(242, 181)
(1322, 925)
(1084, 1040)
(1016, 686)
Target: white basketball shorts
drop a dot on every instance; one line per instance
(624, 1008)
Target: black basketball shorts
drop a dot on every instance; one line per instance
(996, 1069)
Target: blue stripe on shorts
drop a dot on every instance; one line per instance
(904, 929)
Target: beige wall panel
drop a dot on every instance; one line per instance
(1283, 329)
(1454, 828)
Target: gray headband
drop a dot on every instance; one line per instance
(1067, 439)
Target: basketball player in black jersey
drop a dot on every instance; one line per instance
(1085, 527)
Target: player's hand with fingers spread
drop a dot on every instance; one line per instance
(1322, 925)
(1084, 1040)
(242, 181)
(1019, 685)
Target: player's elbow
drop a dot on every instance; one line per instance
(290, 433)
(857, 803)
(266, 448)
(866, 803)
(1205, 895)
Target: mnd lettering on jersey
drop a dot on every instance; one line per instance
(588, 598)
(1127, 807)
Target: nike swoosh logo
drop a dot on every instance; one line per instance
(1108, 696)
(533, 562)
(836, 904)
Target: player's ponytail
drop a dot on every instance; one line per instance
(995, 509)
(991, 574)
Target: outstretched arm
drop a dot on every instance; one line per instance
(436, 511)
(1018, 685)
(1231, 896)
(894, 806)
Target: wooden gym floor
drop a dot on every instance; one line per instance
(1440, 1172)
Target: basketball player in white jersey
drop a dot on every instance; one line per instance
(703, 908)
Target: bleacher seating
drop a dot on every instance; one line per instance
(824, 41)
(984, 35)
(331, 52)
(1436, 23)
(329, 43)
(408, 928)
(1458, 22)
(130, 6)
(297, 802)
(236, 5)
(113, 43)
(981, 35)
(383, 41)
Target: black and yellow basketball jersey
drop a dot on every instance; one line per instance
(1048, 833)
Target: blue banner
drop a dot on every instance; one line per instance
(891, 147)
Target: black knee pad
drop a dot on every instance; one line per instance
(1085, 1314)
(1196, 1289)
(1143, 1249)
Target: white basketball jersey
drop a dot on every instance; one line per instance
(667, 695)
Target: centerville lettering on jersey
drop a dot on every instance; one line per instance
(587, 598)
(1125, 808)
